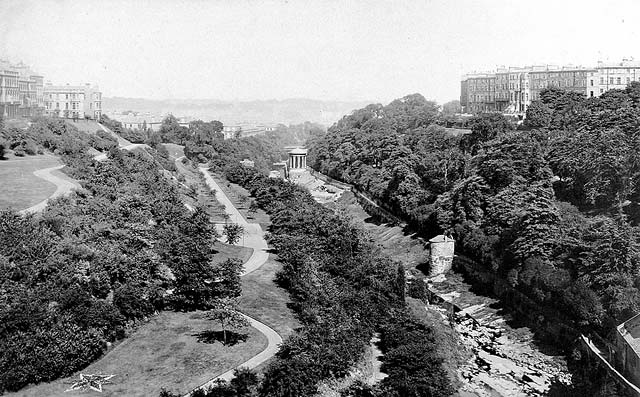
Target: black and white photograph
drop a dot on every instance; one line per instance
(319, 198)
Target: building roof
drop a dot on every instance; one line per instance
(441, 238)
(298, 151)
(630, 331)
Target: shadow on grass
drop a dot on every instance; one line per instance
(233, 338)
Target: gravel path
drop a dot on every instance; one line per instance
(253, 238)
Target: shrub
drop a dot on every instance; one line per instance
(130, 302)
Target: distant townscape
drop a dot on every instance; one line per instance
(23, 93)
(246, 114)
(512, 89)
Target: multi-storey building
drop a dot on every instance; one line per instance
(512, 89)
(613, 76)
(73, 101)
(21, 91)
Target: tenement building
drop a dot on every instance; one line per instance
(511, 90)
(73, 101)
(21, 91)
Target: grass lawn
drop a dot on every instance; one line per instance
(21, 189)
(88, 126)
(234, 192)
(165, 352)
(226, 251)
(174, 150)
(263, 300)
(402, 247)
(203, 197)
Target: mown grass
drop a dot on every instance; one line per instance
(88, 126)
(164, 352)
(20, 188)
(235, 193)
(202, 196)
(263, 300)
(228, 251)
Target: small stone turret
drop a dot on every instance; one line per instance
(441, 257)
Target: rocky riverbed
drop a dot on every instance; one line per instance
(505, 360)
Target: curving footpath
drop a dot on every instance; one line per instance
(253, 238)
(63, 187)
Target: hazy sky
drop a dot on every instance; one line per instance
(346, 50)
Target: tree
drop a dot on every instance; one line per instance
(3, 148)
(452, 107)
(538, 115)
(484, 127)
(225, 312)
(245, 382)
(233, 232)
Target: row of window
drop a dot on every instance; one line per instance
(524, 96)
(66, 96)
(74, 105)
(614, 80)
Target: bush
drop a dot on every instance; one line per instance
(130, 302)
(55, 348)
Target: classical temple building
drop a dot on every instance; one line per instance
(298, 159)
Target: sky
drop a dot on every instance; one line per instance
(348, 50)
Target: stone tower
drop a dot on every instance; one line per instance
(441, 257)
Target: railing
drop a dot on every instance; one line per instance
(624, 382)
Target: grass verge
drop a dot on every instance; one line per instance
(240, 197)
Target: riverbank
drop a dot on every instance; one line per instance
(484, 354)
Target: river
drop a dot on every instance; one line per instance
(503, 357)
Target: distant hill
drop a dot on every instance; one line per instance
(288, 111)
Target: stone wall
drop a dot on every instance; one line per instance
(627, 336)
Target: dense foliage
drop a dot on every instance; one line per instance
(76, 276)
(551, 207)
(343, 289)
(56, 136)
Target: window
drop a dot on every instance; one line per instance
(602, 80)
(618, 81)
(610, 80)
(628, 80)
(591, 94)
(601, 90)
(591, 85)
